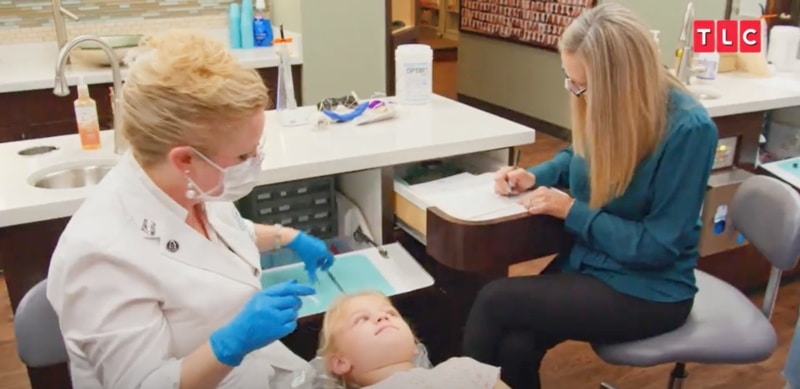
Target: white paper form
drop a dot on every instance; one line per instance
(468, 197)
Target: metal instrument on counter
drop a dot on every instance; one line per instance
(335, 281)
(361, 237)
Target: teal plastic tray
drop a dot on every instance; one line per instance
(791, 166)
(354, 272)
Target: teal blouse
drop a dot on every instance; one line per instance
(643, 243)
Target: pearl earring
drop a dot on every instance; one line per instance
(191, 192)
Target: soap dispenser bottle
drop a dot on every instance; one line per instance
(86, 117)
(262, 27)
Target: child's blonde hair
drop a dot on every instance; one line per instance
(326, 341)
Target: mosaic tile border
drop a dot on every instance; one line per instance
(146, 26)
(38, 13)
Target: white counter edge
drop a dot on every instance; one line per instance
(64, 208)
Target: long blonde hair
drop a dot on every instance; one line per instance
(186, 89)
(623, 115)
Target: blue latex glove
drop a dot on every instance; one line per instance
(314, 253)
(268, 316)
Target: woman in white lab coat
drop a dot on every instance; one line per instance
(156, 278)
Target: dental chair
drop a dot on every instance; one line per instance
(39, 342)
(724, 327)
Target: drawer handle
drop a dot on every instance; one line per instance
(320, 215)
(264, 196)
(265, 211)
(320, 201)
(286, 221)
(285, 207)
(302, 190)
(302, 218)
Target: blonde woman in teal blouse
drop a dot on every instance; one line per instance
(637, 171)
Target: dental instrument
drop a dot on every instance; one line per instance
(361, 237)
(335, 281)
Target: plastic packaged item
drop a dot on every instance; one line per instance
(413, 73)
(86, 117)
(262, 28)
(655, 38)
(246, 23)
(235, 26)
(709, 62)
(784, 46)
(655, 35)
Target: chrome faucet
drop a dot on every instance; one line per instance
(58, 20)
(62, 89)
(684, 69)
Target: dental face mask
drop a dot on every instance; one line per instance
(235, 181)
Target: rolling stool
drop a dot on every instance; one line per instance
(724, 327)
(39, 341)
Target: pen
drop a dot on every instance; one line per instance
(515, 164)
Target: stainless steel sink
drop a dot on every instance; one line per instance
(73, 177)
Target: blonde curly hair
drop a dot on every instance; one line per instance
(185, 88)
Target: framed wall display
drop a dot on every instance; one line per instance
(538, 23)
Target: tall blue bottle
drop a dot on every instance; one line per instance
(235, 26)
(247, 24)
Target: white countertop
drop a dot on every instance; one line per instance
(31, 66)
(443, 128)
(744, 93)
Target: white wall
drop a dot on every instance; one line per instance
(344, 45)
(529, 80)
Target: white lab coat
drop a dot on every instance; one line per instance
(136, 289)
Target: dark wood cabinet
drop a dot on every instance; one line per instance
(40, 113)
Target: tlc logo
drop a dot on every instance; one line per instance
(726, 36)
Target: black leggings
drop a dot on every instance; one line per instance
(514, 321)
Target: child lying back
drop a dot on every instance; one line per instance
(367, 344)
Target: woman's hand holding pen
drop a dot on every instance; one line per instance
(511, 180)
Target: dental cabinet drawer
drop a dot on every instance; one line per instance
(411, 210)
(308, 205)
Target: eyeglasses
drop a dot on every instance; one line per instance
(349, 101)
(571, 86)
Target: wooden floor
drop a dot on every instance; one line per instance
(571, 365)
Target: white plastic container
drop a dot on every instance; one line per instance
(710, 64)
(784, 46)
(413, 73)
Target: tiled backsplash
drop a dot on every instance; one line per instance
(25, 21)
(38, 13)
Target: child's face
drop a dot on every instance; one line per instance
(370, 334)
